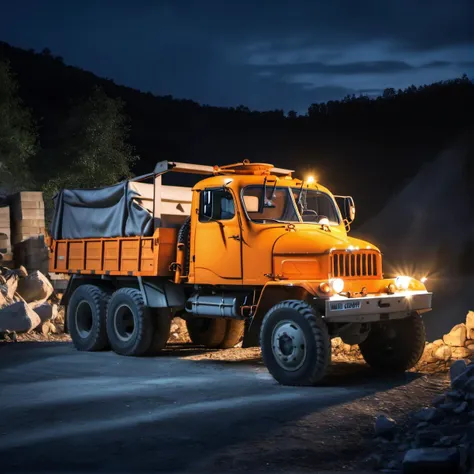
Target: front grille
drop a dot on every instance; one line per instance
(355, 264)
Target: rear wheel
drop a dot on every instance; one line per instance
(86, 318)
(208, 332)
(133, 328)
(296, 346)
(396, 345)
(234, 333)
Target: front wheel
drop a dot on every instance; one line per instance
(296, 347)
(395, 346)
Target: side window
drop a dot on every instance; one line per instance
(216, 204)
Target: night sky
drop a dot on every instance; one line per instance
(260, 53)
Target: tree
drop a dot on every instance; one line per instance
(92, 149)
(18, 138)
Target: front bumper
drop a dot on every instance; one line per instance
(378, 307)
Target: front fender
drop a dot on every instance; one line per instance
(272, 293)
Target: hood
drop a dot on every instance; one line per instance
(314, 241)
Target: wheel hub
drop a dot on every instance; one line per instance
(124, 322)
(289, 345)
(83, 319)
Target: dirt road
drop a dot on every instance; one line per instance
(187, 410)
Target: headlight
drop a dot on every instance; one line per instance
(402, 282)
(337, 285)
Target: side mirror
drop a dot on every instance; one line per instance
(347, 208)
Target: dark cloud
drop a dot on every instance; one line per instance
(265, 54)
(362, 67)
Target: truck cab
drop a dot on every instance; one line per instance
(254, 254)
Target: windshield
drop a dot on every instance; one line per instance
(316, 205)
(277, 206)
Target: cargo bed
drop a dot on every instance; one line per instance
(129, 256)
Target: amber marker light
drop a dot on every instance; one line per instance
(423, 279)
(391, 289)
(324, 287)
(310, 179)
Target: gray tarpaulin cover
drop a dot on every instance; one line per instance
(106, 212)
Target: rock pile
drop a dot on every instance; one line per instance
(439, 438)
(24, 303)
(178, 332)
(345, 352)
(457, 344)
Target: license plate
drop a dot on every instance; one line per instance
(344, 306)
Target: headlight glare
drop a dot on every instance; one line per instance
(402, 282)
(337, 285)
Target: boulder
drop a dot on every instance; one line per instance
(460, 408)
(470, 320)
(470, 348)
(9, 287)
(443, 353)
(4, 300)
(468, 341)
(449, 440)
(460, 382)
(438, 400)
(456, 369)
(469, 385)
(336, 342)
(456, 337)
(18, 317)
(448, 407)
(384, 426)
(428, 353)
(438, 342)
(431, 460)
(454, 395)
(46, 311)
(460, 353)
(429, 414)
(35, 287)
(470, 333)
(427, 437)
(47, 328)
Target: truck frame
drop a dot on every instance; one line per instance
(248, 254)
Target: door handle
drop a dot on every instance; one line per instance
(235, 237)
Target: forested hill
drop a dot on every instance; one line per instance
(361, 146)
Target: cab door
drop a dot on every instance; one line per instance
(217, 239)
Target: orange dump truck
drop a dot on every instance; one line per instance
(249, 253)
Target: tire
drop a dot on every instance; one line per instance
(86, 318)
(133, 329)
(395, 346)
(234, 333)
(208, 332)
(289, 322)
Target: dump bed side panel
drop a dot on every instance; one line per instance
(138, 256)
